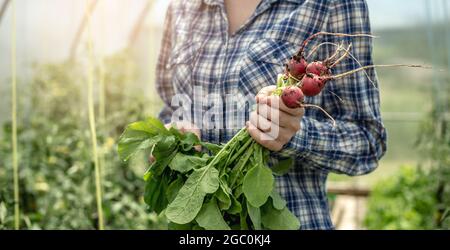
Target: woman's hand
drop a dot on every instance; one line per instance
(183, 127)
(273, 124)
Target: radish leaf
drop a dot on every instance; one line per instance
(189, 199)
(257, 185)
(210, 217)
(184, 163)
(274, 219)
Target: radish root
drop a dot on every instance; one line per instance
(338, 97)
(314, 50)
(309, 39)
(346, 51)
(321, 109)
(378, 66)
(336, 53)
(317, 47)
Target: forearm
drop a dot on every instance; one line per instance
(349, 148)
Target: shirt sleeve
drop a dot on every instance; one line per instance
(164, 86)
(354, 146)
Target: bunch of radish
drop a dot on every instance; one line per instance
(302, 78)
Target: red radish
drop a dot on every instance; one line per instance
(318, 68)
(310, 79)
(312, 85)
(292, 97)
(297, 67)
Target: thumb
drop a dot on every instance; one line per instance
(265, 92)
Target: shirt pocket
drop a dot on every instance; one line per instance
(263, 62)
(181, 65)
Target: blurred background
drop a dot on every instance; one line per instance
(59, 48)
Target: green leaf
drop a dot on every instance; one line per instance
(174, 131)
(258, 184)
(164, 147)
(155, 194)
(274, 219)
(190, 198)
(189, 141)
(139, 136)
(174, 188)
(223, 196)
(243, 218)
(238, 191)
(164, 151)
(278, 202)
(197, 227)
(151, 125)
(175, 226)
(132, 142)
(235, 207)
(214, 148)
(255, 216)
(184, 163)
(210, 217)
(283, 167)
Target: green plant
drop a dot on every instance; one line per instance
(229, 188)
(402, 202)
(418, 199)
(56, 169)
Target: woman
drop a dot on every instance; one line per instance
(218, 54)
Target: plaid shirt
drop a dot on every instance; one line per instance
(201, 61)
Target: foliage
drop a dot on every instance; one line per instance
(417, 199)
(402, 202)
(56, 171)
(226, 187)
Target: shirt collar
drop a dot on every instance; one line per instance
(213, 2)
(219, 2)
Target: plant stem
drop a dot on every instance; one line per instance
(14, 118)
(102, 116)
(249, 140)
(244, 160)
(90, 72)
(226, 146)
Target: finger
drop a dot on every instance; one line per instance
(269, 113)
(263, 139)
(265, 111)
(278, 117)
(260, 122)
(264, 92)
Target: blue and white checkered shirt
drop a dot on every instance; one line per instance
(206, 69)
